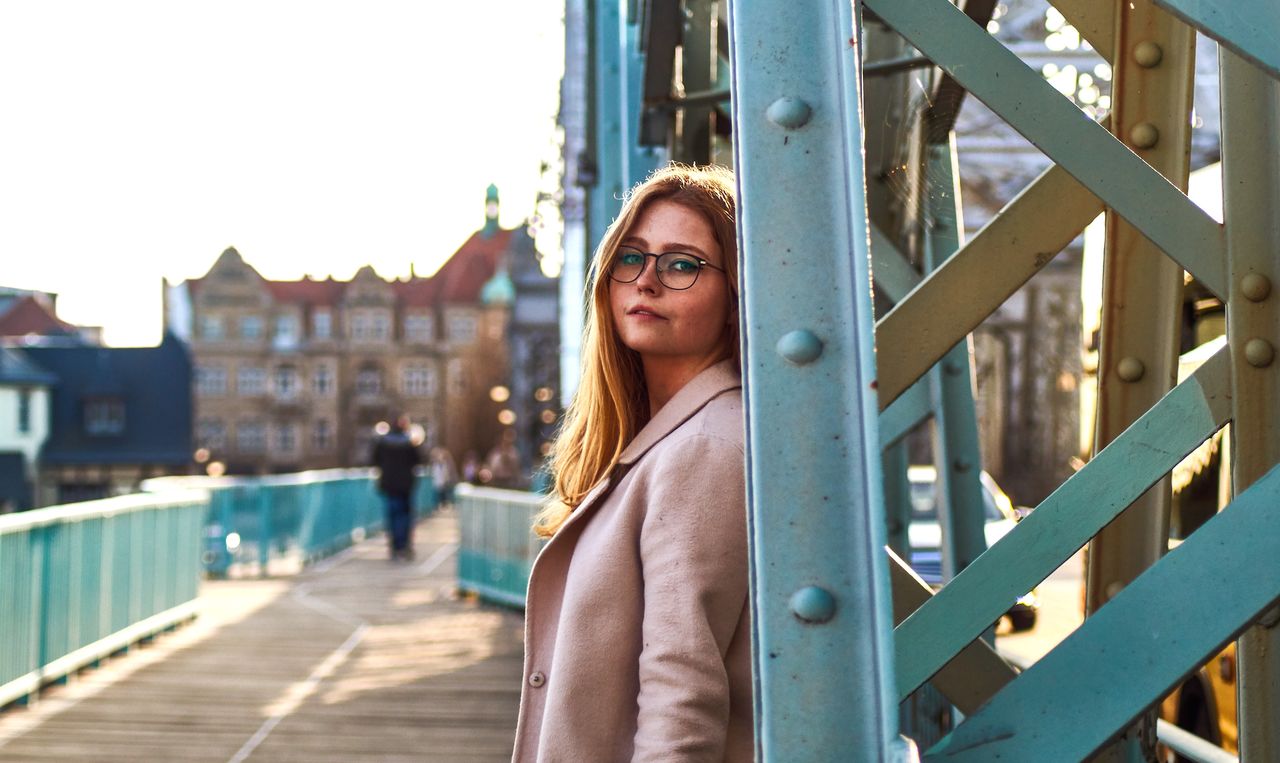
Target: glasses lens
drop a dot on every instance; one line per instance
(627, 265)
(678, 270)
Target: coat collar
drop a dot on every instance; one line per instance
(691, 398)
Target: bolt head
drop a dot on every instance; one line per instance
(800, 347)
(1255, 287)
(1147, 54)
(812, 604)
(1259, 352)
(1130, 369)
(1144, 135)
(789, 113)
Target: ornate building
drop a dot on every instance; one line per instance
(293, 375)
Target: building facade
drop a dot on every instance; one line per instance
(24, 426)
(295, 375)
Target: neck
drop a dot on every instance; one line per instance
(665, 377)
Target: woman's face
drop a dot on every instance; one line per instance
(668, 327)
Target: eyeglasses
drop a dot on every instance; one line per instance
(676, 270)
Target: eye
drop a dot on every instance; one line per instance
(630, 257)
(682, 263)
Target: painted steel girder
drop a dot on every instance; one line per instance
(1130, 653)
(1248, 27)
(819, 577)
(1029, 104)
(1063, 523)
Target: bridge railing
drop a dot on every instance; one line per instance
(83, 581)
(279, 523)
(497, 547)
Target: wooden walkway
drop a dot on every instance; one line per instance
(355, 659)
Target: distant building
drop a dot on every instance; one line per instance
(24, 425)
(28, 313)
(117, 416)
(293, 375)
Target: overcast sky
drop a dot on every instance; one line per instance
(141, 138)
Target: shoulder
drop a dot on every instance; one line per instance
(718, 424)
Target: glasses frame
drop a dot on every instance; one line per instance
(656, 257)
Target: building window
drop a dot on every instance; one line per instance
(322, 381)
(462, 329)
(381, 326)
(24, 411)
(251, 436)
(370, 325)
(251, 327)
(287, 438)
(322, 435)
(211, 381)
(418, 381)
(369, 382)
(419, 328)
(457, 378)
(104, 417)
(251, 381)
(211, 434)
(211, 327)
(322, 324)
(286, 332)
(287, 382)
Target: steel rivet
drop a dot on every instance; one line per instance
(800, 347)
(789, 113)
(1270, 618)
(1113, 590)
(1255, 287)
(951, 367)
(961, 465)
(1144, 135)
(1147, 54)
(1259, 352)
(1130, 369)
(813, 605)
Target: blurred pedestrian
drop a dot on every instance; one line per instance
(396, 456)
(444, 473)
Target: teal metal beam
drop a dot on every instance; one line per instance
(1248, 27)
(906, 413)
(897, 500)
(821, 607)
(957, 454)
(1063, 522)
(1030, 105)
(893, 275)
(1138, 647)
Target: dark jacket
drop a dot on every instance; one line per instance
(395, 456)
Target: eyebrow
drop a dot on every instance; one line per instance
(674, 246)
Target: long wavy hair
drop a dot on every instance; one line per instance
(611, 404)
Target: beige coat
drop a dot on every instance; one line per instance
(637, 631)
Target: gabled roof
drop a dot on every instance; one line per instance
(307, 291)
(16, 368)
(154, 383)
(27, 316)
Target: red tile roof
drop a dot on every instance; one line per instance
(460, 279)
(27, 316)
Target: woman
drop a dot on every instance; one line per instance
(637, 628)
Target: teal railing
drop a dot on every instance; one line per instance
(277, 524)
(497, 547)
(82, 581)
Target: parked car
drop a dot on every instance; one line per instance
(925, 534)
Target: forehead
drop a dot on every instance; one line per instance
(664, 222)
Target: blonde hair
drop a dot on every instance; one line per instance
(611, 404)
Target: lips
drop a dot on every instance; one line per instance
(646, 312)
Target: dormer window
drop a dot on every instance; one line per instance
(104, 417)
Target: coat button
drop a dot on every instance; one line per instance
(537, 679)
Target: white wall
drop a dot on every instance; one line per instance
(29, 442)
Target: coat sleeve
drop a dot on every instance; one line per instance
(693, 551)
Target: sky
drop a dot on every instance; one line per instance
(141, 138)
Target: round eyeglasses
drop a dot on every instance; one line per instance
(676, 270)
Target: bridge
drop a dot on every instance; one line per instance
(119, 652)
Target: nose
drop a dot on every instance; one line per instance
(648, 279)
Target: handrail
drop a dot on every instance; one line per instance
(497, 546)
(82, 581)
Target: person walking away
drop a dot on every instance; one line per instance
(395, 457)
